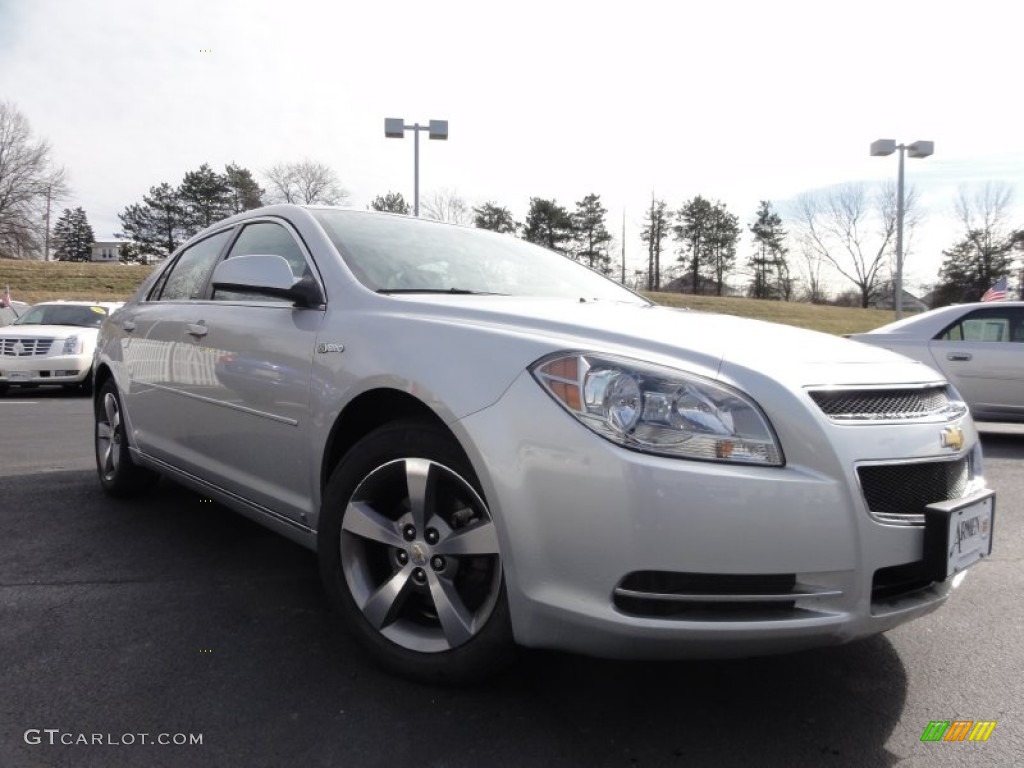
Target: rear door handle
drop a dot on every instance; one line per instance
(959, 356)
(197, 329)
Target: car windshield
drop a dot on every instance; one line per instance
(392, 254)
(88, 316)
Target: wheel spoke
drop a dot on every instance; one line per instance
(477, 539)
(110, 406)
(382, 606)
(417, 472)
(456, 620)
(103, 431)
(363, 520)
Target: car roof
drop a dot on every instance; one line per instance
(935, 320)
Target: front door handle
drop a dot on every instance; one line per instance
(958, 357)
(128, 325)
(197, 329)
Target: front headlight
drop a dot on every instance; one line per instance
(659, 410)
(73, 345)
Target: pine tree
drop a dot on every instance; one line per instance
(244, 193)
(655, 230)
(73, 235)
(158, 224)
(205, 198)
(692, 232)
(495, 218)
(768, 263)
(591, 235)
(393, 202)
(548, 224)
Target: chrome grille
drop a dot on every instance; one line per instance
(900, 492)
(882, 404)
(17, 347)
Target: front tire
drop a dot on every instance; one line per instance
(409, 554)
(119, 475)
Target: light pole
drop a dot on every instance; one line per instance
(883, 148)
(395, 128)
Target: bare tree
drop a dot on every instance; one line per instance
(29, 183)
(815, 290)
(305, 183)
(984, 213)
(447, 205)
(855, 231)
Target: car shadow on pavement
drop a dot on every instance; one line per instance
(172, 613)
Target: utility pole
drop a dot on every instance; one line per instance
(46, 238)
(623, 278)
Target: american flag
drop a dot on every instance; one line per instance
(997, 292)
(5, 300)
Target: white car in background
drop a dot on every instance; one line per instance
(52, 343)
(978, 347)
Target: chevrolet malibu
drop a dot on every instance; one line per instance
(490, 446)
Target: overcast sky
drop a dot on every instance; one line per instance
(737, 101)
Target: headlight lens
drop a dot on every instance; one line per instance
(73, 345)
(659, 410)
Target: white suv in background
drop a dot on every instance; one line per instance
(52, 343)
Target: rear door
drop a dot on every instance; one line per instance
(155, 352)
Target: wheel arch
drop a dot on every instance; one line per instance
(365, 413)
(102, 375)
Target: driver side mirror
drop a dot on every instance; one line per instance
(267, 275)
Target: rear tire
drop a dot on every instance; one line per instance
(119, 475)
(409, 555)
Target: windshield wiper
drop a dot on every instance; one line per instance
(457, 291)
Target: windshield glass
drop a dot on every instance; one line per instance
(87, 316)
(400, 255)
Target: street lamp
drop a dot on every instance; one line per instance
(395, 128)
(883, 148)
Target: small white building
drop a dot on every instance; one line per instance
(107, 250)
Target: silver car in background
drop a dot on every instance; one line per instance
(978, 347)
(490, 446)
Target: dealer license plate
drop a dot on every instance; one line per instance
(958, 533)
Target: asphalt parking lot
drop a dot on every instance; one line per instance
(172, 617)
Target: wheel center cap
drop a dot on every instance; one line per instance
(418, 554)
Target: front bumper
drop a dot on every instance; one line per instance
(770, 559)
(45, 369)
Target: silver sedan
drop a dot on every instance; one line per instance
(489, 446)
(978, 347)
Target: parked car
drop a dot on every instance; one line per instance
(10, 313)
(52, 343)
(489, 446)
(978, 347)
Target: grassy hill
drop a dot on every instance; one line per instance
(35, 281)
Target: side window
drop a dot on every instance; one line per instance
(265, 237)
(988, 325)
(187, 276)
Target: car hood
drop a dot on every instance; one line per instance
(48, 331)
(674, 336)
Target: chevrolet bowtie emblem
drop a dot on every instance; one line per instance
(952, 437)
